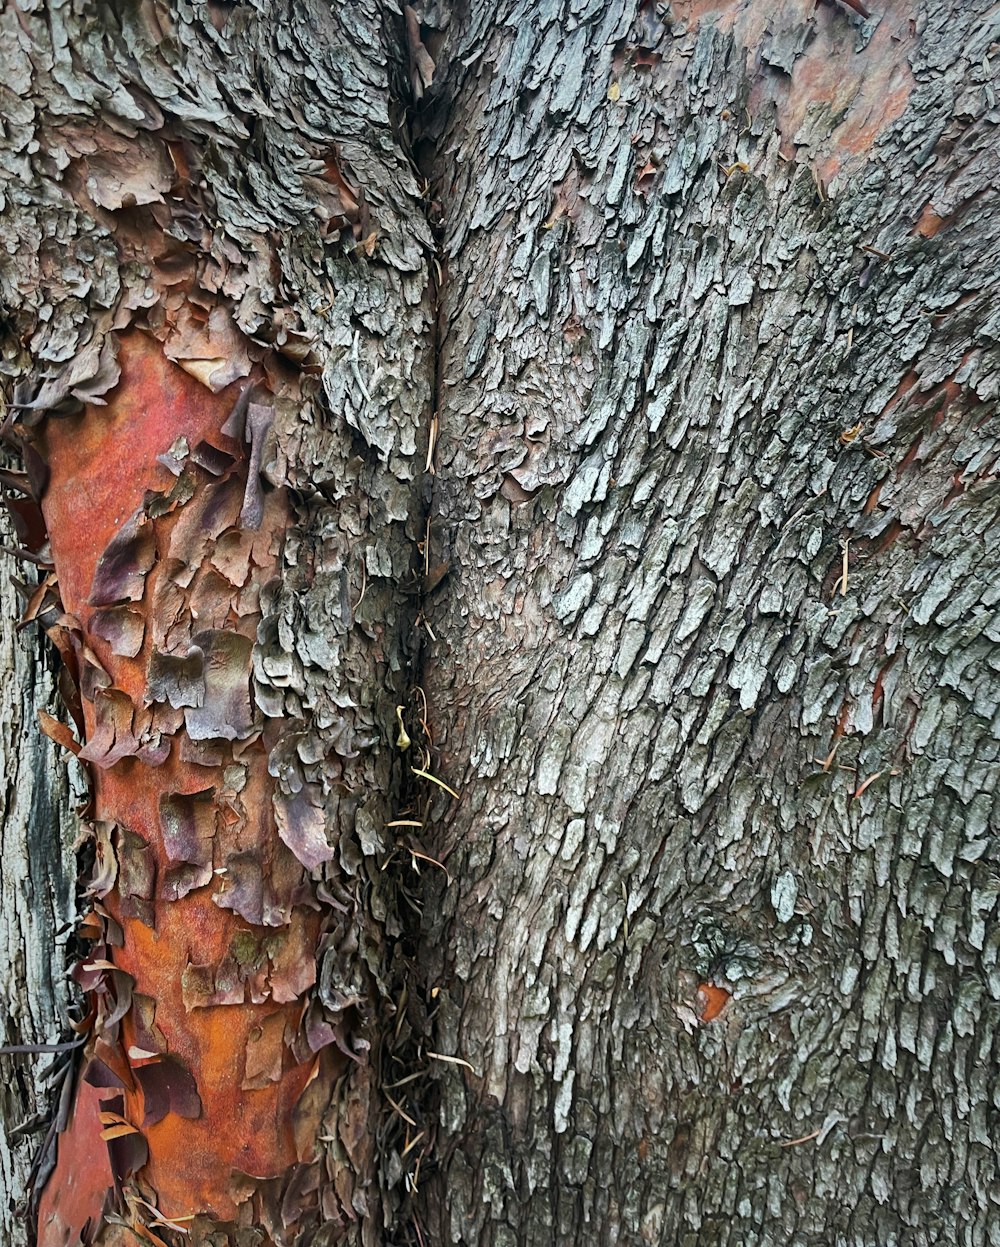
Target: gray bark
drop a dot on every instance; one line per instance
(37, 831)
(712, 342)
(687, 360)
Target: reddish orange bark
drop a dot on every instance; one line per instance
(711, 1001)
(208, 916)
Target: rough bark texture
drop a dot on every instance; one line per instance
(37, 830)
(721, 303)
(219, 299)
(707, 352)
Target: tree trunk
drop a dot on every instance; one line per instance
(598, 403)
(716, 672)
(37, 829)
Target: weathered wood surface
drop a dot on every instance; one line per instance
(708, 638)
(37, 831)
(721, 300)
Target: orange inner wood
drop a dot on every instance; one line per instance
(102, 463)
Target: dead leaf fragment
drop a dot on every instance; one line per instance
(421, 62)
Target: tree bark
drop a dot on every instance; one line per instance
(632, 376)
(217, 338)
(716, 671)
(37, 830)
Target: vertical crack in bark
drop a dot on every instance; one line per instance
(418, 799)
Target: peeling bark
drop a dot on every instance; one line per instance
(217, 346)
(526, 472)
(197, 1067)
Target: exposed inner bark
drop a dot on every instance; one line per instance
(197, 1061)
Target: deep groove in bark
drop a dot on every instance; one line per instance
(412, 796)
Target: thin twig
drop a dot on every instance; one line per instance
(433, 861)
(356, 369)
(403, 1081)
(452, 1060)
(405, 1116)
(845, 546)
(434, 780)
(19, 1049)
